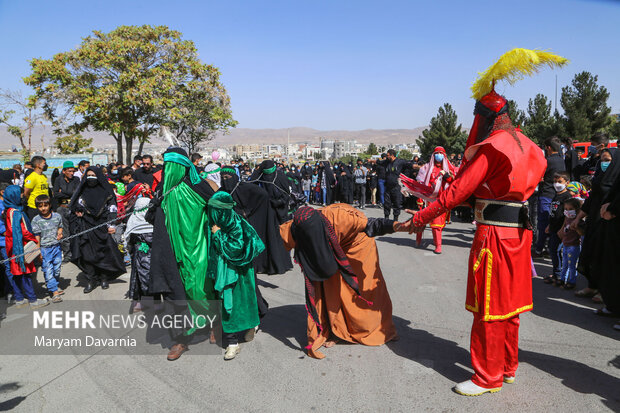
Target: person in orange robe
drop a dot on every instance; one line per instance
(346, 294)
(501, 170)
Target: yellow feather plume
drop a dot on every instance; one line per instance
(513, 66)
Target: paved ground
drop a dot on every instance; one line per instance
(570, 359)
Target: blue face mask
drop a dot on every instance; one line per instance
(604, 166)
(439, 157)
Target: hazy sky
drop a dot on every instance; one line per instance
(340, 64)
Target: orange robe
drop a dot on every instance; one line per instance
(338, 307)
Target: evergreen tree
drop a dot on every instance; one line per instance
(443, 131)
(614, 128)
(585, 107)
(405, 154)
(516, 115)
(540, 124)
(372, 149)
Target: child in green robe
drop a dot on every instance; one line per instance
(234, 245)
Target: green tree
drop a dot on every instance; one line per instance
(405, 154)
(585, 107)
(127, 82)
(72, 144)
(516, 115)
(540, 124)
(614, 127)
(443, 131)
(204, 109)
(372, 149)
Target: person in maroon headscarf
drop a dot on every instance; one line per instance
(436, 174)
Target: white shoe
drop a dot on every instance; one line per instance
(232, 351)
(509, 379)
(469, 388)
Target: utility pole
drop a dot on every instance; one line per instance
(288, 144)
(556, 93)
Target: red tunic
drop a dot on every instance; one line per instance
(499, 284)
(27, 237)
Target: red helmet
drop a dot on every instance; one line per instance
(486, 111)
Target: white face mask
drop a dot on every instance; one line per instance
(559, 187)
(570, 213)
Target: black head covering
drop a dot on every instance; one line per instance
(94, 197)
(229, 179)
(7, 175)
(319, 254)
(329, 173)
(55, 175)
(266, 164)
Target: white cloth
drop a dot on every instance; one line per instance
(213, 176)
(137, 224)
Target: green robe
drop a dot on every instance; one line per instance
(187, 224)
(233, 248)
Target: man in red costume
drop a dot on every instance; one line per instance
(436, 174)
(500, 172)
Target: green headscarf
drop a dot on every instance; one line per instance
(183, 160)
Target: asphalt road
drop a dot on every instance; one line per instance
(570, 358)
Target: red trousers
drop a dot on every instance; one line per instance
(494, 350)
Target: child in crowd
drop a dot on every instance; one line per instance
(138, 239)
(306, 184)
(47, 227)
(556, 219)
(315, 186)
(577, 190)
(571, 245)
(18, 234)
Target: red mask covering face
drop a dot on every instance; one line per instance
(487, 110)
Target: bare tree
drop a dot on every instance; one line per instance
(20, 116)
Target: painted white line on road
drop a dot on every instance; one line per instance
(429, 254)
(561, 300)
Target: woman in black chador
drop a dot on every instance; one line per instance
(277, 186)
(95, 252)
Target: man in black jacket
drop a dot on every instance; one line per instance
(63, 190)
(145, 173)
(381, 178)
(393, 198)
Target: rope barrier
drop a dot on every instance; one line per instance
(79, 234)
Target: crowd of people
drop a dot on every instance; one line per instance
(577, 205)
(105, 219)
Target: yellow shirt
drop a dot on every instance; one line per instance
(38, 184)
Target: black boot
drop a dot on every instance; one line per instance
(104, 283)
(91, 285)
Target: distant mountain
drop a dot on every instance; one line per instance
(300, 134)
(242, 136)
